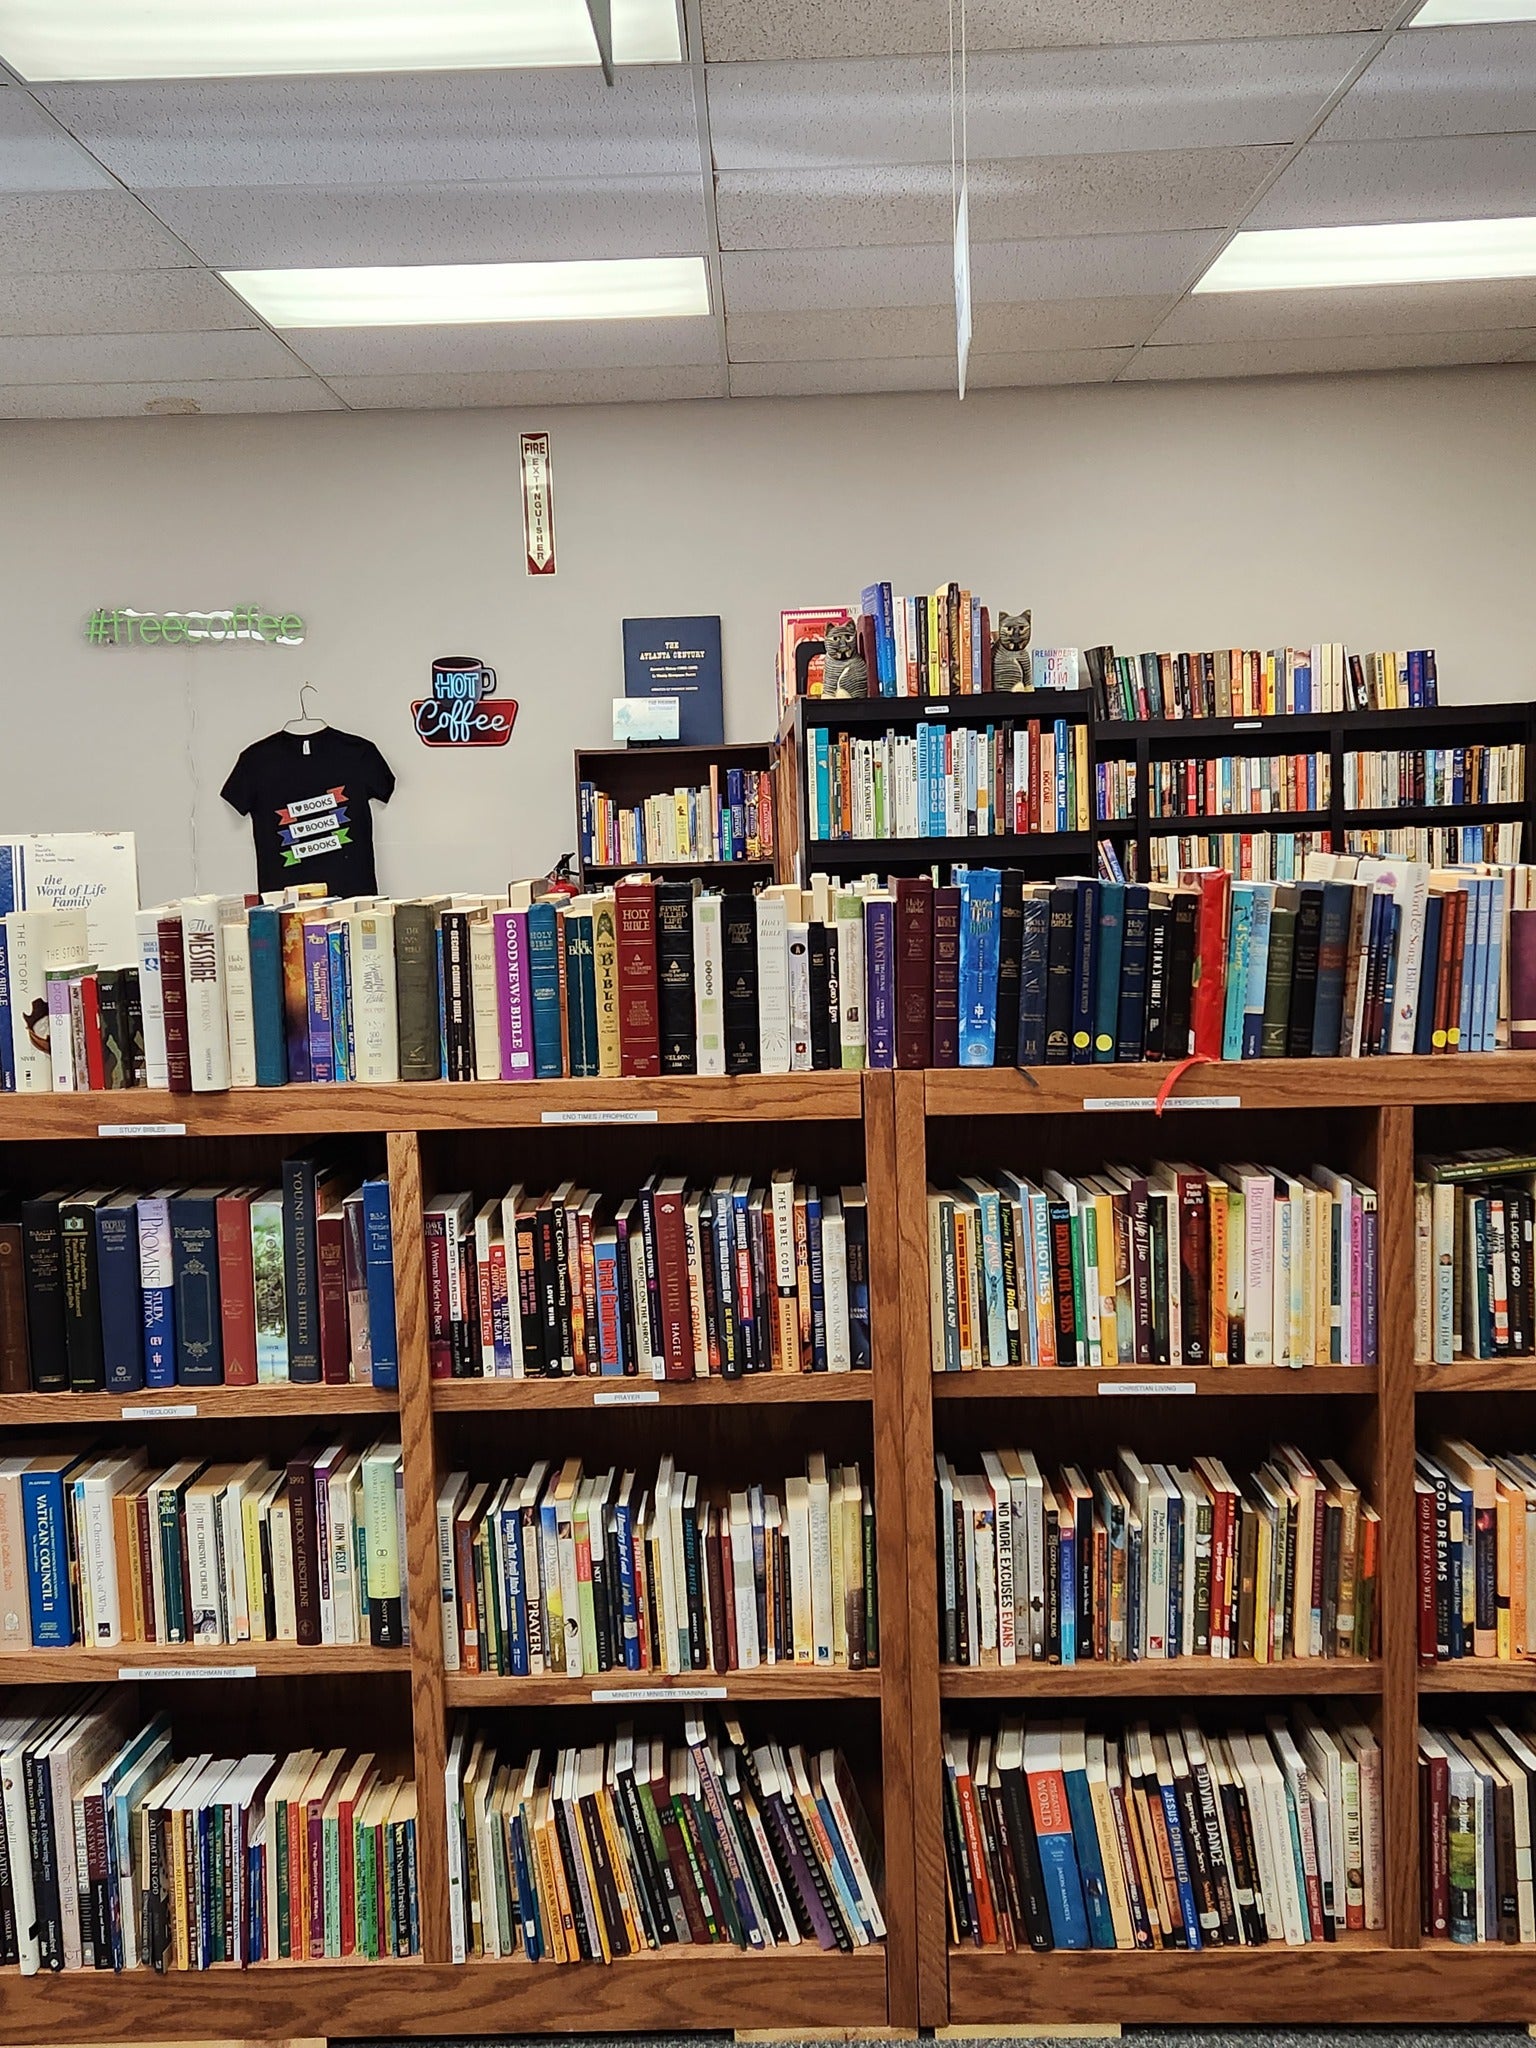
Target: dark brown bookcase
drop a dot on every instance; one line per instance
(630, 774)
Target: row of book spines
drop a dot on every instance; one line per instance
(708, 823)
(1171, 1563)
(1434, 775)
(1244, 682)
(1475, 1275)
(115, 1291)
(720, 1587)
(1240, 1266)
(1476, 1531)
(962, 782)
(115, 1550)
(1477, 1791)
(676, 1285)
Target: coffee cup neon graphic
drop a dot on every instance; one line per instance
(463, 710)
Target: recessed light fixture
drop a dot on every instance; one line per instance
(78, 39)
(1406, 252)
(1451, 13)
(454, 294)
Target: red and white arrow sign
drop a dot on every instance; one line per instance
(538, 506)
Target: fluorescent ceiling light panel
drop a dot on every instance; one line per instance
(1408, 252)
(455, 294)
(79, 39)
(1452, 13)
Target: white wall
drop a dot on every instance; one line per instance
(1392, 510)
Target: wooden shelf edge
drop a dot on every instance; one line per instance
(775, 1388)
(1401, 1079)
(1476, 1376)
(268, 1660)
(1182, 1677)
(1044, 1383)
(1480, 1674)
(703, 1989)
(173, 1403)
(771, 1682)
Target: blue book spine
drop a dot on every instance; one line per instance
(880, 981)
(887, 641)
(195, 1264)
(1475, 915)
(117, 1267)
(818, 1295)
(1063, 1884)
(7, 1040)
(1085, 1836)
(339, 975)
(1472, 1032)
(442, 1004)
(1107, 997)
(1030, 1049)
(629, 1609)
(1067, 1592)
(1333, 938)
(586, 823)
(317, 980)
(1415, 678)
(1258, 970)
(511, 1548)
(1186, 1889)
(1238, 931)
(1085, 939)
(42, 1506)
(157, 1282)
(527, 1900)
(736, 790)
(1063, 758)
(544, 985)
(13, 884)
(980, 889)
(1495, 963)
(1130, 1029)
(266, 946)
(1429, 968)
(379, 1256)
(610, 1323)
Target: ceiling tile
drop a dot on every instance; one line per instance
(120, 302)
(1301, 358)
(1092, 266)
(1443, 81)
(844, 335)
(1051, 103)
(142, 358)
(36, 155)
(573, 387)
(504, 349)
(752, 31)
(1455, 177)
(1133, 192)
(440, 126)
(52, 231)
(926, 373)
(1066, 324)
(286, 225)
(127, 401)
(1473, 308)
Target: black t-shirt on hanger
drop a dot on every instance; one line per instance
(307, 795)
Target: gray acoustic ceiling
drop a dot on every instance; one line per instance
(804, 151)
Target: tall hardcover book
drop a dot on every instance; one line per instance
(738, 936)
(980, 891)
(545, 949)
(514, 996)
(302, 1178)
(43, 1262)
(173, 1005)
(1035, 914)
(416, 988)
(15, 1351)
(914, 971)
(879, 977)
(157, 1284)
(639, 1018)
(264, 943)
(203, 965)
(772, 982)
(1010, 953)
(374, 990)
(119, 1294)
(147, 957)
(195, 1270)
(237, 1286)
(946, 977)
(1060, 982)
(379, 1248)
(675, 975)
(82, 1289)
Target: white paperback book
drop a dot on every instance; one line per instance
(35, 941)
(371, 952)
(207, 1025)
(708, 985)
(239, 1004)
(95, 873)
(772, 983)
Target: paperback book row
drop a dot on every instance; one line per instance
(673, 1283)
(1388, 778)
(624, 1847)
(1217, 785)
(1171, 1837)
(123, 1851)
(106, 1548)
(1174, 1264)
(1441, 846)
(949, 781)
(1142, 1561)
(1249, 856)
(728, 818)
(1244, 683)
(1477, 1822)
(117, 1289)
(1476, 1527)
(1475, 1288)
(561, 1570)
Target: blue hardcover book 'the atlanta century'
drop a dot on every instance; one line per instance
(679, 658)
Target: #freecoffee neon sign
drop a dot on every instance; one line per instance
(122, 626)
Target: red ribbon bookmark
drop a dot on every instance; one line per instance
(1196, 1059)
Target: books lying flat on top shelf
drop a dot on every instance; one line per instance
(1476, 1534)
(1143, 1560)
(559, 1570)
(1477, 1791)
(114, 1289)
(1171, 1836)
(728, 818)
(639, 1843)
(674, 1283)
(191, 1862)
(112, 1548)
(1171, 1264)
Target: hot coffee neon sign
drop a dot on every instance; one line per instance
(463, 709)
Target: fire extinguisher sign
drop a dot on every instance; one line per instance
(538, 506)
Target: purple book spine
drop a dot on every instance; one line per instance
(1368, 1286)
(514, 1011)
(317, 979)
(880, 949)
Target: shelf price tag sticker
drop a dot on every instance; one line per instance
(141, 1130)
(627, 1397)
(1173, 1102)
(612, 1696)
(935, 711)
(169, 1411)
(126, 1672)
(1146, 1386)
(598, 1116)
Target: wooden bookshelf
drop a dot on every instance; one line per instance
(631, 774)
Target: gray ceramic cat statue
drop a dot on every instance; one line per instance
(1010, 652)
(844, 673)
